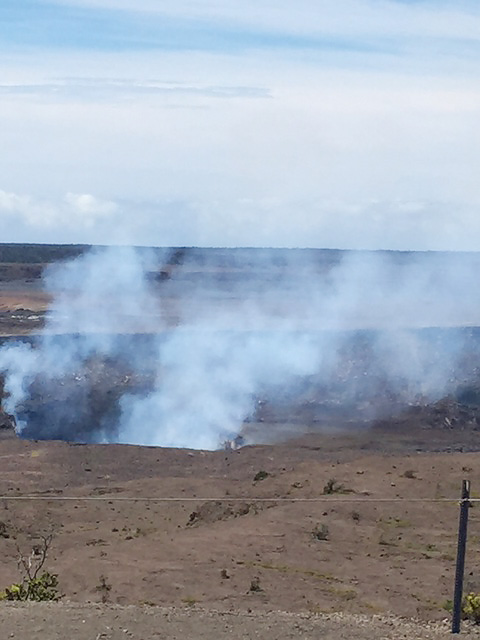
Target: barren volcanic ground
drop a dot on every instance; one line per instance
(294, 527)
(330, 521)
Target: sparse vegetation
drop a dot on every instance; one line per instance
(343, 594)
(36, 585)
(471, 607)
(260, 475)
(209, 512)
(386, 543)
(40, 589)
(448, 606)
(321, 532)
(4, 530)
(395, 523)
(281, 568)
(103, 588)
(133, 533)
(332, 486)
(255, 585)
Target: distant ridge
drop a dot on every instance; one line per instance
(45, 253)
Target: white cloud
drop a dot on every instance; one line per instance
(269, 146)
(368, 224)
(108, 89)
(87, 209)
(73, 212)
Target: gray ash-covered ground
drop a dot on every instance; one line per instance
(22, 319)
(84, 406)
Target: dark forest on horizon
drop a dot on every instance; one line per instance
(30, 253)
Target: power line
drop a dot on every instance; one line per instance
(324, 499)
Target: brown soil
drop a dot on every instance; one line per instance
(227, 541)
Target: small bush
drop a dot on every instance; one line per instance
(260, 475)
(41, 589)
(333, 486)
(103, 588)
(37, 584)
(255, 585)
(321, 532)
(471, 607)
(448, 606)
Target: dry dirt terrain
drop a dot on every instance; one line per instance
(325, 536)
(107, 622)
(298, 527)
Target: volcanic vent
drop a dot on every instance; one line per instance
(190, 349)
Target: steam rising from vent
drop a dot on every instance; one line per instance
(195, 349)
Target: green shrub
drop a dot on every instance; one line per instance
(260, 475)
(471, 607)
(36, 584)
(41, 589)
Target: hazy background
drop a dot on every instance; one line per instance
(328, 123)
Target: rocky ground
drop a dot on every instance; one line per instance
(57, 622)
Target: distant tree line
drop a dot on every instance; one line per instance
(39, 253)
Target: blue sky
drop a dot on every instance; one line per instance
(347, 123)
(33, 23)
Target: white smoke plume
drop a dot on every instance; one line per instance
(187, 355)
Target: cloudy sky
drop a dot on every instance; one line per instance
(310, 123)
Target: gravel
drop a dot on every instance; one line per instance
(38, 621)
